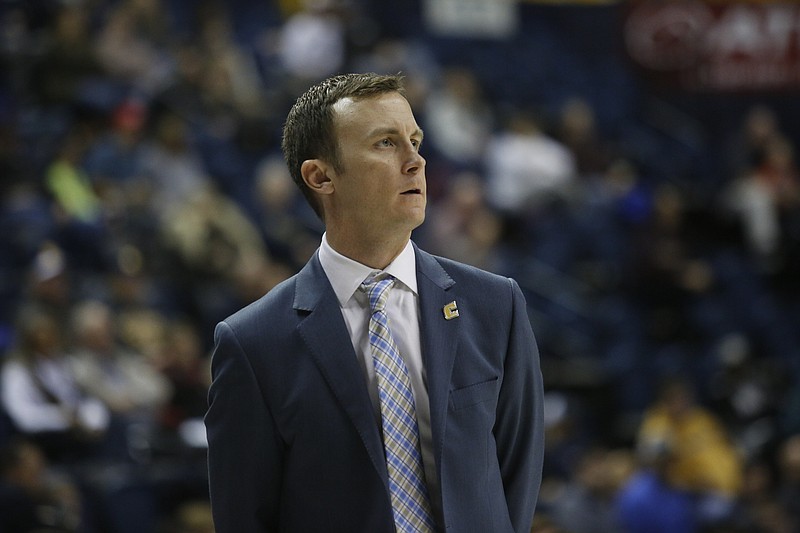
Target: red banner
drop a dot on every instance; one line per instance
(716, 46)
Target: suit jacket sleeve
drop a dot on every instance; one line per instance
(519, 428)
(244, 452)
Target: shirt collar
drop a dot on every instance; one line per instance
(346, 275)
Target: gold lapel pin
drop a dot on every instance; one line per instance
(450, 311)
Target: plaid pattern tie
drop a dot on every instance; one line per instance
(410, 503)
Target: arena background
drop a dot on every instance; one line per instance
(632, 164)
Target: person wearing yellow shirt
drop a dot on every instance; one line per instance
(705, 461)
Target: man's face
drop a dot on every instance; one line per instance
(380, 185)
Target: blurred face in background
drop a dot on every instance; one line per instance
(41, 336)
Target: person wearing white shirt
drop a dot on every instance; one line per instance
(40, 395)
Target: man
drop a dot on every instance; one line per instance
(325, 415)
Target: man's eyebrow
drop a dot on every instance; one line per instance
(394, 131)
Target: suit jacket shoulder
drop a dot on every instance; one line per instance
(278, 299)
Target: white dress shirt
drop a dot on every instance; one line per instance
(402, 309)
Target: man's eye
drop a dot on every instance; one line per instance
(386, 142)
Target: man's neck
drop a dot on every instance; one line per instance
(376, 253)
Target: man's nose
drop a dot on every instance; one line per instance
(415, 162)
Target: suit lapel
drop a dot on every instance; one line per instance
(439, 339)
(325, 334)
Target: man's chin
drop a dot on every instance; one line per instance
(418, 220)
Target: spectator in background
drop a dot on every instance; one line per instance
(41, 396)
(114, 161)
(130, 45)
(183, 362)
(757, 509)
(577, 130)
(566, 438)
(463, 227)
(649, 502)
(702, 459)
(670, 271)
(210, 233)
(27, 222)
(762, 198)
(585, 503)
(130, 386)
(48, 282)
(288, 226)
(231, 87)
(312, 41)
(81, 223)
(172, 164)
(526, 168)
(749, 143)
(778, 171)
(33, 499)
(413, 59)
(746, 392)
(70, 186)
(184, 93)
(612, 206)
(216, 247)
(458, 121)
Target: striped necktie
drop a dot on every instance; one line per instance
(409, 493)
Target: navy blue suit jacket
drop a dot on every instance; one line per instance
(293, 441)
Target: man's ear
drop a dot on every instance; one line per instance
(315, 174)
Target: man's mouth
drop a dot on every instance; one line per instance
(413, 191)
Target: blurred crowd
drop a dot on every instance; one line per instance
(143, 198)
